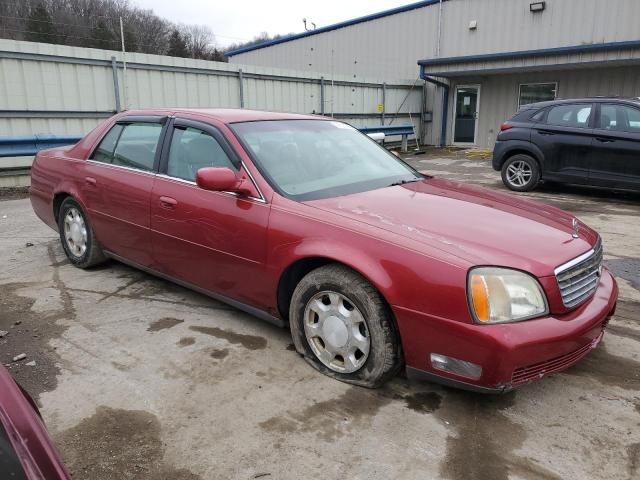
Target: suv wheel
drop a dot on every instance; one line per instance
(521, 173)
(343, 328)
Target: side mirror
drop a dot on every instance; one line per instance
(221, 179)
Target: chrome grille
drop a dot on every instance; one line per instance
(579, 278)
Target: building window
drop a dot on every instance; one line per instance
(536, 92)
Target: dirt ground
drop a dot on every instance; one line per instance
(141, 379)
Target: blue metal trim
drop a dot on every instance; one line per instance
(24, 146)
(389, 129)
(595, 47)
(335, 26)
(616, 62)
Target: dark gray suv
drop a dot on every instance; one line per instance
(588, 141)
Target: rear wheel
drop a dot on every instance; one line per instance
(521, 173)
(77, 237)
(343, 328)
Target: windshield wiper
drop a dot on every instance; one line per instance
(402, 182)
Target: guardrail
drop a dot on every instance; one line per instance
(390, 130)
(28, 145)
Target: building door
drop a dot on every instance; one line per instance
(465, 114)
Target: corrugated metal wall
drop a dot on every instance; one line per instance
(57, 89)
(390, 47)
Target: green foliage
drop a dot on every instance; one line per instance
(40, 26)
(103, 37)
(177, 45)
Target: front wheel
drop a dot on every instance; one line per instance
(77, 237)
(343, 327)
(521, 173)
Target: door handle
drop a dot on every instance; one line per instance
(168, 202)
(545, 132)
(605, 140)
(90, 181)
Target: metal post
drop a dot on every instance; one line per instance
(116, 87)
(240, 79)
(321, 95)
(404, 143)
(124, 67)
(384, 102)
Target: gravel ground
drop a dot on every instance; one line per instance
(141, 379)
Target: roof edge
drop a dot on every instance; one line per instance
(593, 47)
(335, 26)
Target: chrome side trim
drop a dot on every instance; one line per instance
(251, 310)
(120, 167)
(195, 185)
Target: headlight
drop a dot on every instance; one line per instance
(500, 295)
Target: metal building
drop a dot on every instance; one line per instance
(480, 59)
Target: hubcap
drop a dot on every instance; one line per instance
(519, 173)
(75, 232)
(336, 332)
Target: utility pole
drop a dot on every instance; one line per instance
(332, 82)
(124, 68)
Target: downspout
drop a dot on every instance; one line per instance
(445, 104)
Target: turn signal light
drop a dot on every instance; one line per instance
(480, 297)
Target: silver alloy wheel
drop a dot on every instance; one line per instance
(519, 173)
(75, 232)
(336, 332)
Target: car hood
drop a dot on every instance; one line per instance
(477, 225)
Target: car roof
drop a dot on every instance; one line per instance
(228, 115)
(560, 101)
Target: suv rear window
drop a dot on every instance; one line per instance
(573, 115)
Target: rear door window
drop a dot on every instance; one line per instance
(137, 145)
(104, 152)
(573, 115)
(10, 467)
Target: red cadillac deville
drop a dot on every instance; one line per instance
(304, 221)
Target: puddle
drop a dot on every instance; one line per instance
(117, 444)
(163, 324)
(219, 354)
(331, 419)
(250, 342)
(186, 341)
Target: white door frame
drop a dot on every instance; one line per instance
(455, 108)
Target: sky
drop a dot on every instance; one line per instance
(241, 20)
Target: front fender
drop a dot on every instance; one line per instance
(404, 277)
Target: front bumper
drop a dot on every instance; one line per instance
(510, 355)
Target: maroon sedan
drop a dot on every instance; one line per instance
(26, 452)
(303, 220)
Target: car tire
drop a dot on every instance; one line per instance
(348, 298)
(78, 239)
(521, 173)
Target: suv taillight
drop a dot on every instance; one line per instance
(505, 126)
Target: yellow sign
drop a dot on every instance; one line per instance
(380, 107)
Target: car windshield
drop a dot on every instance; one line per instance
(313, 159)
